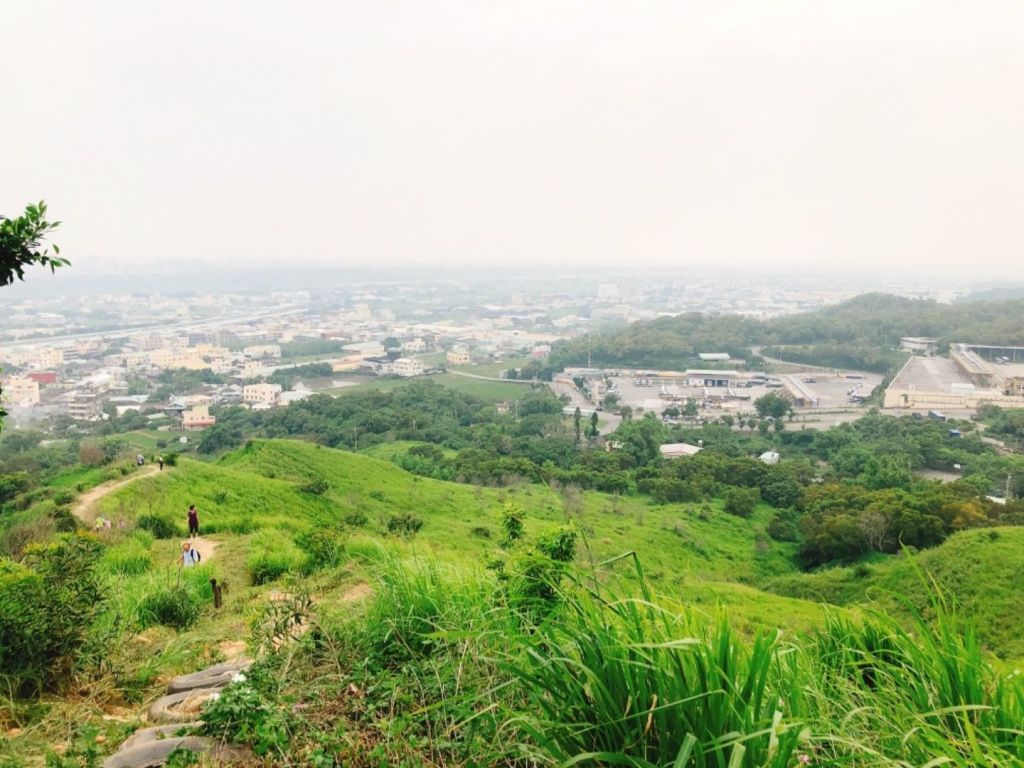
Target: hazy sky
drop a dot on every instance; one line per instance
(571, 133)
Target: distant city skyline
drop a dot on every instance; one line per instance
(875, 137)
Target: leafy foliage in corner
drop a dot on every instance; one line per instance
(48, 604)
(21, 243)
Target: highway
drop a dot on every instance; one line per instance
(187, 325)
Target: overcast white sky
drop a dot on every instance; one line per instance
(795, 132)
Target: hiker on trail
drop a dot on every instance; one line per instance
(189, 557)
(160, 461)
(193, 521)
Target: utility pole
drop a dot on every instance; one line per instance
(588, 348)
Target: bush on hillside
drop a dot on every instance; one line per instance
(48, 604)
(160, 527)
(741, 502)
(317, 487)
(406, 524)
(324, 548)
(176, 607)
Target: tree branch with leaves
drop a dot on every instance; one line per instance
(22, 244)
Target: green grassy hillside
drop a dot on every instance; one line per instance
(981, 571)
(264, 491)
(264, 486)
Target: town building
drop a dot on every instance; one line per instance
(679, 450)
(414, 345)
(198, 417)
(21, 391)
(84, 406)
(921, 344)
(458, 356)
(262, 394)
(408, 367)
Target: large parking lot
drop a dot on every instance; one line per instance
(831, 392)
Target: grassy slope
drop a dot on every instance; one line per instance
(983, 570)
(494, 391)
(257, 489)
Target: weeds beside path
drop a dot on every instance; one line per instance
(88, 500)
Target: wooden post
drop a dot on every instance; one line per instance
(216, 593)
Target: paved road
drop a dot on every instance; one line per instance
(608, 422)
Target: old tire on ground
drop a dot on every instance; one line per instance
(155, 752)
(155, 733)
(212, 677)
(180, 707)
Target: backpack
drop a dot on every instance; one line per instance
(196, 557)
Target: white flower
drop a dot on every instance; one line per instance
(238, 677)
(214, 696)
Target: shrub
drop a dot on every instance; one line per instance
(480, 532)
(63, 496)
(355, 519)
(160, 527)
(176, 607)
(316, 487)
(512, 522)
(171, 459)
(324, 549)
(48, 604)
(220, 497)
(741, 501)
(378, 495)
(91, 454)
(406, 524)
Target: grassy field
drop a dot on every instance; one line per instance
(261, 488)
(494, 369)
(494, 391)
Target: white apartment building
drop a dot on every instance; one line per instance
(414, 345)
(21, 391)
(408, 367)
(263, 394)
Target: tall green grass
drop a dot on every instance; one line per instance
(628, 682)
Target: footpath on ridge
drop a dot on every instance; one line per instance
(87, 502)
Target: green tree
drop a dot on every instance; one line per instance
(741, 501)
(593, 426)
(773, 406)
(21, 244)
(577, 418)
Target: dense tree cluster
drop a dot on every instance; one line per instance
(862, 333)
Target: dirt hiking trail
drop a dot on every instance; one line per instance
(85, 506)
(89, 499)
